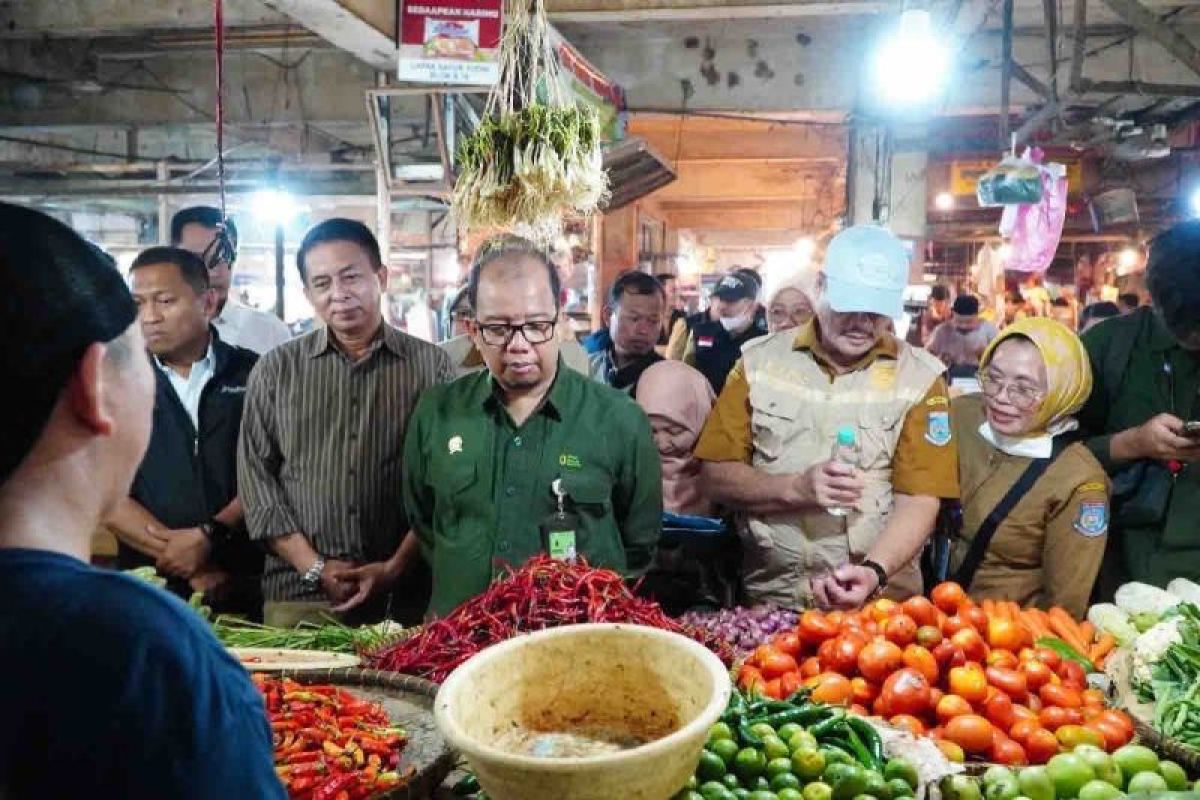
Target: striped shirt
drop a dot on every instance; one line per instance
(322, 444)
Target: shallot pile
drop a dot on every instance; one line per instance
(744, 628)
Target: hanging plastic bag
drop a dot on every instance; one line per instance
(1033, 230)
(1014, 180)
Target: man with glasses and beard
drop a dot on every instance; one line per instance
(527, 457)
(201, 230)
(818, 529)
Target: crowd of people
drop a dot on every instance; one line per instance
(360, 471)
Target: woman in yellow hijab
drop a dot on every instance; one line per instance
(1035, 505)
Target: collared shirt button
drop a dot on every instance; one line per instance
(510, 491)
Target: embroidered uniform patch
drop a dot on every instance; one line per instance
(1095, 486)
(704, 341)
(883, 375)
(937, 428)
(1092, 519)
(938, 400)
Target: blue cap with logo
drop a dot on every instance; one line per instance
(866, 271)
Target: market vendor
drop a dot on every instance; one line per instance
(528, 457)
(767, 444)
(110, 687)
(1035, 505)
(320, 461)
(1146, 366)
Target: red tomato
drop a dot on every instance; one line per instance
(775, 664)
(920, 659)
(935, 696)
(900, 629)
(832, 688)
(825, 652)
(999, 709)
(863, 691)
(1048, 657)
(955, 624)
(1003, 659)
(880, 707)
(787, 642)
(1041, 746)
(1006, 634)
(1118, 718)
(1010, 681)
(969, 683)
(922, 611)
(1022, 729)
(860, 710)
(944, 654)
(971, 732)
(810, 666)
(789, 683)
(749, 677)
(878, 660)
(1073, 674)
(815, 627)
(1008, 753)
(1024, 712)
(844, 653)
(773, 690)
(1094, 697)
(976, 616)
(1060, 695)
(952, 706)
(948, 596)
(1053, 717)
(971, 643)
(1037, 675)
(1114, 735)
(906, 692)
(909, 723)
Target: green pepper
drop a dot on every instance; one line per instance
(827, 726)
(861, 752)
(748, 737)
(803, 715)
(869, 737)
(1065, 650)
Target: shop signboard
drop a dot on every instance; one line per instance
(450, 42)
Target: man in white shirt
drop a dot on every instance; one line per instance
(201, 230)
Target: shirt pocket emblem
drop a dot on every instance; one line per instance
(937, 428)
(455, 445)
(1092, 519)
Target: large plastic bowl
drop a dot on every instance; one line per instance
(656, 686)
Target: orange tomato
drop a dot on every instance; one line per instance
(971, 643)
(749, 677)
(922, 611)
(810, 666)
(951, 751)
(1062, 696)
(1094, 697)
(971, 732)
(837, 618)
(976, 616)
(1008, 753)
(787, 642)
(906, 692)
(1037, 674)
(955, 624)
(774, 664)
(900, 629)
(948, 596)
(832, 688)
(969, 683)
(920, 659)
(863, 691)
(789, 683)
(878, 660)
(1006, 634)
(909, 723)
(1041, 746)
(999, 710)
(1114, 735)
(1022, 729)
(1053, 717)
(871, 628)
(1010, 681)
(760, 653)
(883, 608)
(844, 652)
(952, 706)
(815, 627)
(773, 690)
(1003, 658)
(1048, 657)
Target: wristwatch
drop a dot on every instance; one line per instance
(312, 578)
(879, 571)
(216, 532)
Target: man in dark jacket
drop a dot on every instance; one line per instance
(633, 317)
(716, 342)
(183, 515)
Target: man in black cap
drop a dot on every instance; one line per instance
(110, 687)
(715, 344)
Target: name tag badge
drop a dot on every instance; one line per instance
(560, 544)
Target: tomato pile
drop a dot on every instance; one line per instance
(944, 666)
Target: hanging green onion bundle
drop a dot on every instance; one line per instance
(536, 155)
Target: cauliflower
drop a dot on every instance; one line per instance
(1142, 598)
(1149, 648)
(1107, 617)
(1185, 590)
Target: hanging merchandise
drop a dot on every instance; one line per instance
(536, 155)
(1033, 229)
(1014, 180)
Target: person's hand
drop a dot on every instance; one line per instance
(185, 552)
(831, 484)
(368, 581)
(334, 583)
(1160, 438)
(848, 586)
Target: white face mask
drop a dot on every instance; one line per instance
(739, 323)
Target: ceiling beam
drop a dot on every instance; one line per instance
(1050, 11)
(1026, 77)
(698, 12)
(343, 28)
(1147, 22)
(1139, 88)
(742, 181)
(38, 19)
(1079, 52)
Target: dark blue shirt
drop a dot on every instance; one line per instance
(110, 687)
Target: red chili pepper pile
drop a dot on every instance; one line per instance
(329, 744)
(544, 593)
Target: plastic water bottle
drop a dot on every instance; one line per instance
(845, 451)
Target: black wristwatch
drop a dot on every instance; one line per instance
(879, 571)
(216, 532)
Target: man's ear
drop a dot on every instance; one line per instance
(606, 315)
(209, 300)
(87, 391)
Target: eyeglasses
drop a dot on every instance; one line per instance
(498, 334)
(1021, 395)
(220, 249)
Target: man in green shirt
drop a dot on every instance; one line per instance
(1147, 386)
(527, 457)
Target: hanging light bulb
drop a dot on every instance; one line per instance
(911, 63)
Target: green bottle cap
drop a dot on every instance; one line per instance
(846, 436)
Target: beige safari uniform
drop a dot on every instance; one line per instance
(1048, 550)
(796, 411)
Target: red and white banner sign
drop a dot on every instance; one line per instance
(452, 42)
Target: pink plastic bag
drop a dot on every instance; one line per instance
(1034, 230)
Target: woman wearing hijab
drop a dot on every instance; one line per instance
(677, 400)
(1035, 504)
(789, 300)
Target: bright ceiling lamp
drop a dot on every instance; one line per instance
(276, 206)
(911, 63)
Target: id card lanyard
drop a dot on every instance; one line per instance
(559, 529)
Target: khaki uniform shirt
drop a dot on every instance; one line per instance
(1048, 550)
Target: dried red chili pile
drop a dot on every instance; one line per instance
(544, 593)
(329, 744)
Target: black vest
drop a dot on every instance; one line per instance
(716, 351)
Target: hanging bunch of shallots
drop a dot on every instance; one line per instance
(536, 155)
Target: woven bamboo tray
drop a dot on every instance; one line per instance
(409, 703)
(1187, 757)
